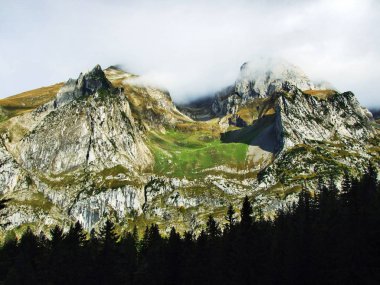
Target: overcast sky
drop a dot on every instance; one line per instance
(190, 47)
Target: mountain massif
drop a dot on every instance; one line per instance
(101, 146)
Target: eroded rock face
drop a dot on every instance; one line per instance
(11, 175)
(86, 130)
(317, 137)
(90, 209)
(303, 119)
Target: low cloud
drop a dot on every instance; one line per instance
(190, 48)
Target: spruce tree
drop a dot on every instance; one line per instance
(246, 214)
(346, 187)
(213, 231)
(56, 236)
(230, 217)
(107, 233)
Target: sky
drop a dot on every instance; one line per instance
(192, 48)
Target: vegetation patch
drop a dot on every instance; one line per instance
(182, 154)
(27, 101)
(320, 94)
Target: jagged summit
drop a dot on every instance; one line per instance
(259, 78)
(86, 84)
(262, 76)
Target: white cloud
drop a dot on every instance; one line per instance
(190, 47)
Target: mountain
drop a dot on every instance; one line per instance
(104, 146)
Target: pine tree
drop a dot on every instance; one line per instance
(76, 236)
(56, 236)
(107, 233)
(369, 181)
(246, 214)
(25, 268)
(212, 230)
(173, 258)
(109, 257)
(128, 256)
(230, 216)
(346, 188)
(74, 260)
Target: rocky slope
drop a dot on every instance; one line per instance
(105, 146)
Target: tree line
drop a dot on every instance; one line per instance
(329, 236)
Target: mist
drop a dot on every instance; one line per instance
(191, 48)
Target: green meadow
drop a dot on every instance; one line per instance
(184, 154)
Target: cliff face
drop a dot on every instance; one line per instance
(106, 146)
(305, 118)
(11, 175)
(319, 135)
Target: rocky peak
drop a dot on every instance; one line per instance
(261, 77)
(95, 80)
(86, 84)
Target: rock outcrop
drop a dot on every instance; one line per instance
(90, 127)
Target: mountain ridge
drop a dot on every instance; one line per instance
(105, 147)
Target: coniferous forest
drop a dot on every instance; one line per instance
(330, 236)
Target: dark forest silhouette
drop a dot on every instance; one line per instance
(328, 237)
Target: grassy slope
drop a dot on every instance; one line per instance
(183, 154)
(320, 94)
(27, 101)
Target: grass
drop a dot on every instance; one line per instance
(61, 180)
(320, 94)
(36, 201)
(183, 154)
(27, 101)
(114, 182)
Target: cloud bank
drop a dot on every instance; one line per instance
(192, 48)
